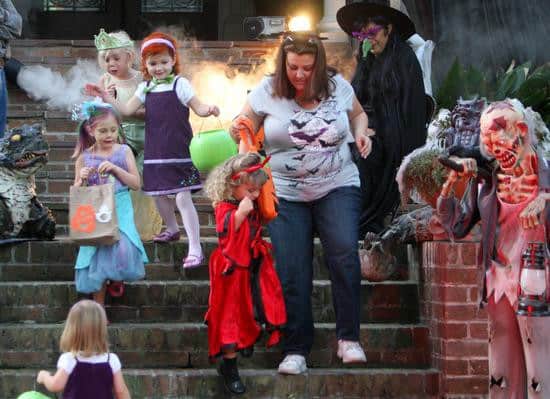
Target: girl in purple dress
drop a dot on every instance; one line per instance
(99, 153)
(86, 369)
(167, 167)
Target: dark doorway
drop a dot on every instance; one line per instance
(62, 20)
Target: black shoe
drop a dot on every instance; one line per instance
(230, 374)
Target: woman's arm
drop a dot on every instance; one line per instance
(202, 109)
(119, 386)
(359, 123)
(237, 125)
(53, 383)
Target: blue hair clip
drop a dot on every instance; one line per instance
(88, 109)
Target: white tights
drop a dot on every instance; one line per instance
(166, 207)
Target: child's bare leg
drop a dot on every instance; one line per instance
(99, 296)
(229, 354)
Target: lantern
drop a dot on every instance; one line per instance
(209, 149)
(532, 297)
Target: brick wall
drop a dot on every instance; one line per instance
(459, 329)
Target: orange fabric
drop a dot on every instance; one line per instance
(267, 200)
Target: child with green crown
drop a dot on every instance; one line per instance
(116, 56)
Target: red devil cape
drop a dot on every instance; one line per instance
(245, 292)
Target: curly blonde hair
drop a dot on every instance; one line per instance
(219, 184)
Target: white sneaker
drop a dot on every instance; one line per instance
(293, 364)
(351, 352)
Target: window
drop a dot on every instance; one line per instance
(171, 6)
(74, 5)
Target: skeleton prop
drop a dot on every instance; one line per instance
(512, 205)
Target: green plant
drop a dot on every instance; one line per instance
(532, 89)
(424, 173)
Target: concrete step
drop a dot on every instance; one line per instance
(177, 301)
(260, 383)
(167, 345)
(59, 205)
(53, 260)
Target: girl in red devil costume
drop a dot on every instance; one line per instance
(245, 292)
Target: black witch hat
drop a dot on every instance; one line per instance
(348, 15)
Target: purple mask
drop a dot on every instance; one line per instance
(368, 34)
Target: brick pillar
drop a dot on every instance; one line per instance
(458, 328)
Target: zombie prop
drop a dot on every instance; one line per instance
(421, 177)
(23, 151)
(512, 207)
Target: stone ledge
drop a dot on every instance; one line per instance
(261, 383)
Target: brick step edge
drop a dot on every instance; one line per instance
(261, 383)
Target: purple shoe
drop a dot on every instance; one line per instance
(166, 236)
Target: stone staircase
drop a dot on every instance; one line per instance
(157, 326)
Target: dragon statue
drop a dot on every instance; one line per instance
(23, 151)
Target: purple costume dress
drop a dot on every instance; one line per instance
(167, 165)
(90, 381)
(125, 259)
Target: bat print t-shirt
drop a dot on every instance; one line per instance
(310, 155)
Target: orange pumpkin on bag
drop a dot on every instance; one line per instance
(267, 200)
(83, 220)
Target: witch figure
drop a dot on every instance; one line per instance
(389, 85)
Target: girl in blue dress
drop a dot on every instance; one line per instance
(98, 155)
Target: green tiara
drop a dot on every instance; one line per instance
(105, 41)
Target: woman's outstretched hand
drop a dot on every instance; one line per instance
(364, 142)
(237, 126)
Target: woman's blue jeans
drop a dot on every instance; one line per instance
(334, 218)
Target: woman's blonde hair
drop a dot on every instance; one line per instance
(220, 183)
(130, 50)
(85, 330)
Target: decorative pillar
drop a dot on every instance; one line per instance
(458, 328)
(328, 27)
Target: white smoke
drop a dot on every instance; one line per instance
(57, 90)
